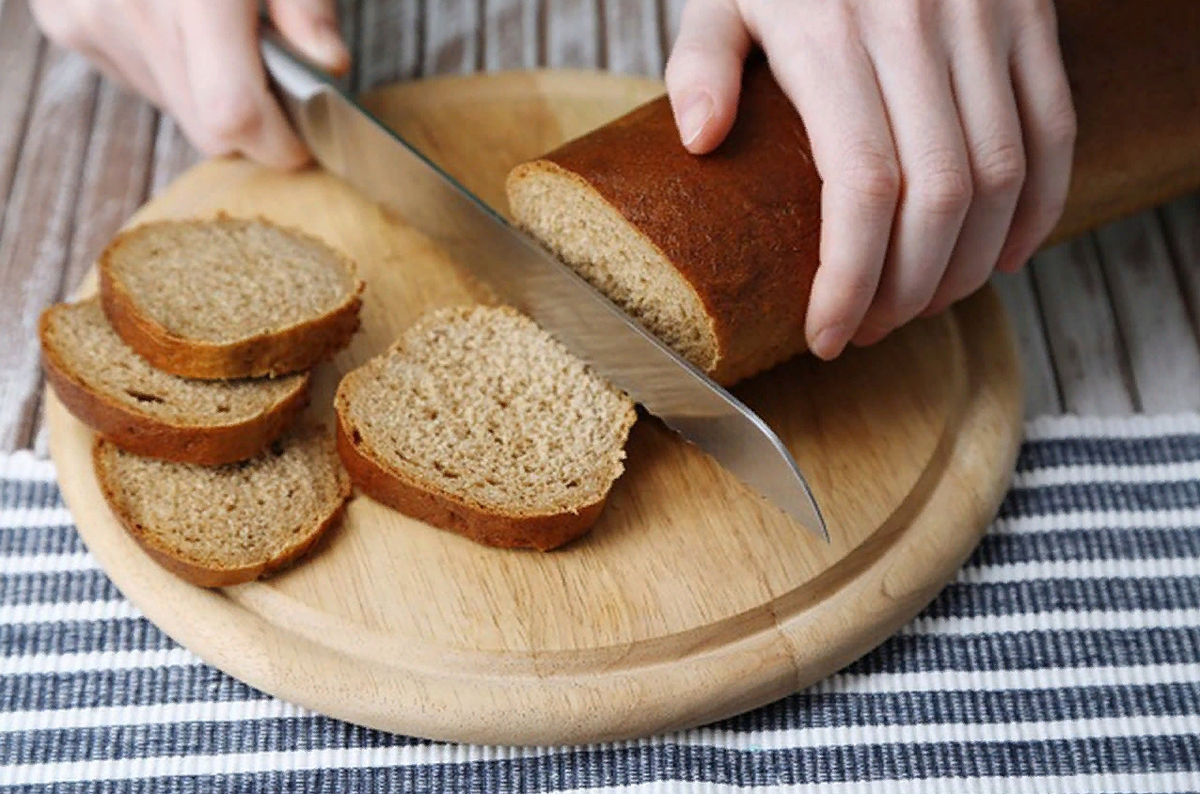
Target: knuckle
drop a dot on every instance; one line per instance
(232, 115)
(855, 288)
(873, 175)
(943, 189)
(1001, 168)
(1062, 126)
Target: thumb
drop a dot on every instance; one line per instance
(311, 26)
(704, 72)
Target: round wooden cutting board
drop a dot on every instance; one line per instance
(690, 600)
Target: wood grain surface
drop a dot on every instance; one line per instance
(690, 600)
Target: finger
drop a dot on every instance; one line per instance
(704, 72)
(984, 95)
(311, 26)
(914, 76)
(1048, 116)
(829, 79)
(234, 110)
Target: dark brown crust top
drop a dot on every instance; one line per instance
(740, 225)
(200, 575)
(153, 437)
(294, 349)
(438, 509)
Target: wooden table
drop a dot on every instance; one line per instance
(1107, 322)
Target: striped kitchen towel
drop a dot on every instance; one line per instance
(1064, 657)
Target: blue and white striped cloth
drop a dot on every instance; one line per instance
(1064, 657)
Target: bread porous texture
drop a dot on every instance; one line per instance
(115, 392)
(479, 422)
(223, 525)
(228, 297)
(570, 219)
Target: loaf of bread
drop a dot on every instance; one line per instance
(112, 390)
(476, 421)
(228, 298)
(715, 255)
(223, 525)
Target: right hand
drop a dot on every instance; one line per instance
(199, 61)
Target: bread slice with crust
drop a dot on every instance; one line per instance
(476, 421)
(222, 525)
(228, 297)
(112, 390)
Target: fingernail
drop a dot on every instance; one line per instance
(829, 342)
(694, 113)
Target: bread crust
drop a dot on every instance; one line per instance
(200, 575)
(426, 503)
(152, 437)
(753, 265)
(294, 349)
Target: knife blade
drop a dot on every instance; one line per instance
(350, 142)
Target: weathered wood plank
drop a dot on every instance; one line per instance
(1085, 344)
(510, 38)
(572, 34)
(38, 222)
(391, 42)
(452, 35)
(173, 154)
(20, 45)
(632, 40)
(1181, 219)
(1041, 383)
(116, 171)
(116, 174)
(1151, 314)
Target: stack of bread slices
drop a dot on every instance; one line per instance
(193, 367)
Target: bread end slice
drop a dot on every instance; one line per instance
(226, 525)
(478, 422)
(105, 385)
(578, 225)
(176, 292)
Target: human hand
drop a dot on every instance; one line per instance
(199, 61)
(943, 132)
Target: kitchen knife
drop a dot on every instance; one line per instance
(350, 142)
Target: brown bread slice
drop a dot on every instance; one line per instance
(223, 525)
(115, 392)
(478, 422)
(228, 298)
